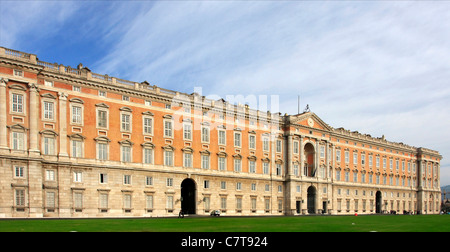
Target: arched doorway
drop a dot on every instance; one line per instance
(309, 160)
(378, 202)
(188, 195)
(311, 200)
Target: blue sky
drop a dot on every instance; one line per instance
(378, 67)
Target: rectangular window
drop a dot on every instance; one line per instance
(205, 134)
(20, 197)
(19, 171)
(17, 103)
(126, 153)
(76, 115)
(77, 176)
(103, 200)
(148, 180)
(295, 147)
(205, 162)
(252, 166)
(187, 131)
(48, 110)
(252, 142)
(347, 157)
(49, 146)
(148, 156)
(187, 159)
(126, 122)
(279, 147)
(266, 168)
(168, 158)
(148, 125)
(77, 148)
(168, 128)
(102, 117)
(127, 179)
(222, 165)
(237, 165)
(18, 140)
(266, 144)
(102, 151)
(50, 200)
(237, 139)
(222, 137)
(338, 155)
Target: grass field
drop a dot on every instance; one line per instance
(368, 223)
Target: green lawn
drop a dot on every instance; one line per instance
(383, 223)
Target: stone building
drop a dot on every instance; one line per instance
(74, 143)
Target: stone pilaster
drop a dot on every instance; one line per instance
(3, 113)
(34, 118)
(62, 125)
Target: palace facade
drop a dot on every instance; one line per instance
(74, 143)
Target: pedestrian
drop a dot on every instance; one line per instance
(181, 214)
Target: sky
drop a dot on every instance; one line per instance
(377, 67)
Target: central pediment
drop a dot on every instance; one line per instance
(310, 120)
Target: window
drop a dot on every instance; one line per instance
(322, 151)
(126, 122)
(279, 147)
(148, 180)
(252, 142)
(103, 201)
(168, 158)
(363, 159)
(102, 118)
(125, 153)
(49, 146)
(127, 179)
(238, 186)
(205, 134)
(48, 110)
(76, 89)
(222, 164)
(237, 139)
(187, 131)
(266, 144)
(103, 178)
(102, 151)
(127, 202)
(187, 159)
(20, 197)
(48, 83)
(50, 200)
(251, 166)
(17, 103)
(148, 125)
(347, 157)
(169, 182)
(222, 137)
(77, 150)
(101, 93)
(338, 156)
(18, 73)
(77, 115)
(77, 176)
(237, 165)
(223, 185)
(168, 130)
(18, 140)
(355, 158)
(149, 199)
(295, 147)
(125, 98)
(148, 156)
(78, 200)
(49, 175)
(18, 171)
(278, 168)
(148, 103)
(206, 184)
(266, 168)
(205, 161)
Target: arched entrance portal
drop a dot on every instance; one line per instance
(188, 195)
(311, 204)
(309, 160)
(378, 202)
